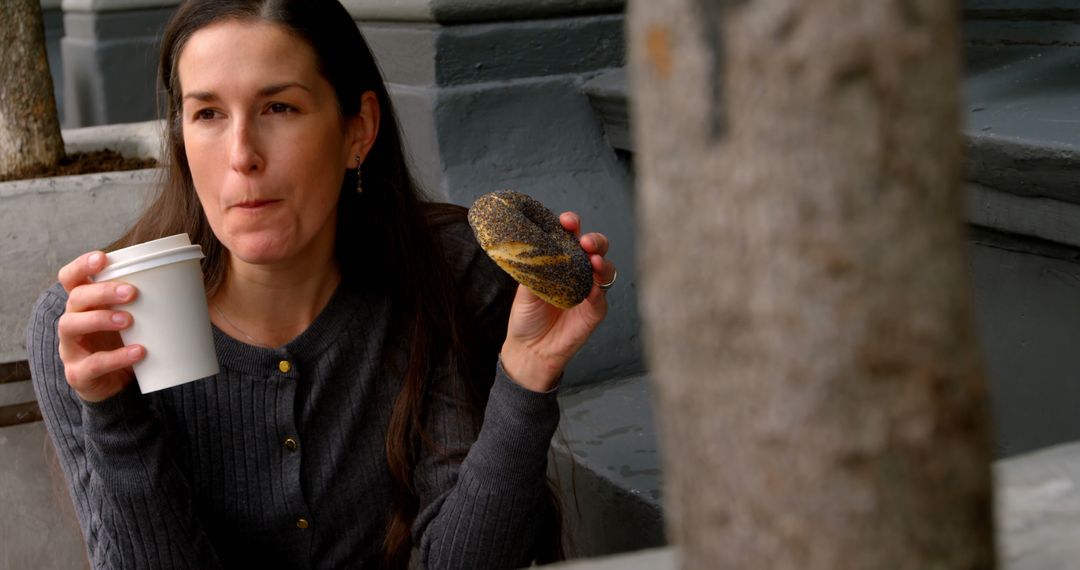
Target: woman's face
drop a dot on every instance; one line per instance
(265, 141)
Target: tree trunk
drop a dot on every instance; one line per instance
(29, 128)
(805, 288)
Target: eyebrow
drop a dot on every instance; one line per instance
(273, 89)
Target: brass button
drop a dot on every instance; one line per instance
(291, 444)
(284, 366)
(301, 523)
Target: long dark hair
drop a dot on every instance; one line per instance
(391, 215)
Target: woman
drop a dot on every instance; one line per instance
(384, 388)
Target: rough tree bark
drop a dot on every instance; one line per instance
(29, 128)
(805, 293)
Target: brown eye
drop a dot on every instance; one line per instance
(204, 114)
(280, 108)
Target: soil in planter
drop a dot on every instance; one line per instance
(84, 163)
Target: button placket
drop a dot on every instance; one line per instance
(289, 442)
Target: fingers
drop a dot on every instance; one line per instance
(72, 325)
(603, 269)
(93, 295)
(75, 330)
(595, 243)
(82, 374)
(79, 271)
(571, 222)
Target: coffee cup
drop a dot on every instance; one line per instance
(169, 314)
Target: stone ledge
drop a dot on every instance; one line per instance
(982, 33)
(1044, 218)
(1022, 115)
(114, 5)
(399, 10)
(617, 438)
(607, 468)
(133, 140)
(1024, 167)
(1027, 9)
(16, 393)
(461, 11)
(1038, 506)
(432, 55)
(655, 559)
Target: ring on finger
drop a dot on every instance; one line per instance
(606, 286)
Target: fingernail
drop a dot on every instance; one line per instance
(125, 291)
(134, 352)
(96, 260)
(119, 318)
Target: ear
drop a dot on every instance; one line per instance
(362, 128)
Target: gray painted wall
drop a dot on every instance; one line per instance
(54, 31)
(109, 62)
(1027, 302)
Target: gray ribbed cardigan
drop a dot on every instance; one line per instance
(201, 476)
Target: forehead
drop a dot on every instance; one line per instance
(236, 53)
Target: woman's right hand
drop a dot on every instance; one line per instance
(96, 362)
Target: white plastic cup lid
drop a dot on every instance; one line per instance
(148, 255)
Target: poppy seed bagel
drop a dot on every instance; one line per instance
(527, 241)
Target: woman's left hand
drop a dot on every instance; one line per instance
(542, 338)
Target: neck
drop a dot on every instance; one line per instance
(272, 304)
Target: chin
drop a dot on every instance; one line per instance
(257, 249)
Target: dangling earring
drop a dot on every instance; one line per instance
(359, 184)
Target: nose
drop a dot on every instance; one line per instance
(244, 157)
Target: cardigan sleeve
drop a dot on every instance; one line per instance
(133, 505)
(490, 504)
(482, 492)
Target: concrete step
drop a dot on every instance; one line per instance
(39, 527)
(666, 558)
(607, 467)
(1022, 119)
(610, 435)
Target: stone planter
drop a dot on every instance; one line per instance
(47, 222)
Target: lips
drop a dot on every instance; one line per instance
(254, 204)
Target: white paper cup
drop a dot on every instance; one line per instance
(170, 317)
